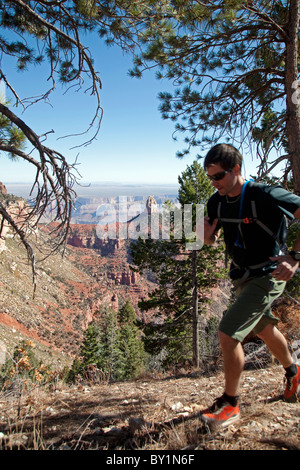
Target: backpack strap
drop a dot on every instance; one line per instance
(239, 220)
(261, 224)
(247, 220)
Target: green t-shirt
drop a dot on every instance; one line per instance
(272, 204)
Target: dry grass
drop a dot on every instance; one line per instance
(149, 414)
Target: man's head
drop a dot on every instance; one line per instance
(224, 155)
(223, 165)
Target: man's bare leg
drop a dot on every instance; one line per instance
(277, 344)
(234, 360)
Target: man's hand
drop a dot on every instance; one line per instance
(206, 231)
(286, 268)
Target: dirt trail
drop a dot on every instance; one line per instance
(151, 414)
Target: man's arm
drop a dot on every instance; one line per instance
(287, 266)
(296, 246)
(207, 232)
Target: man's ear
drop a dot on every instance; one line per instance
(236, 170)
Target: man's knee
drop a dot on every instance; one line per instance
(267, 332)
(226, 340)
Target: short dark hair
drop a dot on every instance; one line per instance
(224, 154)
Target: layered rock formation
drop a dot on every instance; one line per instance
(4, 227)
(71, 291)
(19, 210)
(3, 189)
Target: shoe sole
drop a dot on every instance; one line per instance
(295, 397)
(213, 423)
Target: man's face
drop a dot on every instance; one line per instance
(226, 180)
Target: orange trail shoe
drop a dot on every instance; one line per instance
(292, 389)
(220, 414)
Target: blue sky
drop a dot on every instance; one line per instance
(134, 145)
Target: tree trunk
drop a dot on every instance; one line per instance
(196, 358)
(293, 92)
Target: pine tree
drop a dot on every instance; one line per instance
(88, 355)
(54, 33)
(131, 345)
(183, 278)
(110, 360)
(90, 350)
(10, 135)
(112, 345)
(236, 69)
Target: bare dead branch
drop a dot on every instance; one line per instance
(53, 188)
(21, 233)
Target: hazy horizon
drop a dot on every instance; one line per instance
(104, 189)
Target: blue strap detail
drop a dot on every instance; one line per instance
(237, 242)
(242, 198)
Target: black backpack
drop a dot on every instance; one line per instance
(280, 240)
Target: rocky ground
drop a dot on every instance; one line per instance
(150, 414)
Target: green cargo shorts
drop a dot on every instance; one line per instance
(251, 311)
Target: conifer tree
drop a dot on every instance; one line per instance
(89, 353)
(112, 345)
(110, 357)
(90, 350)
(54, 34)
(235, 65)
(130, 342)
(183, 276)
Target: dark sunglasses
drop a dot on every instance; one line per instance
(218, 176)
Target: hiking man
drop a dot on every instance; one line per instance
(253, 219)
